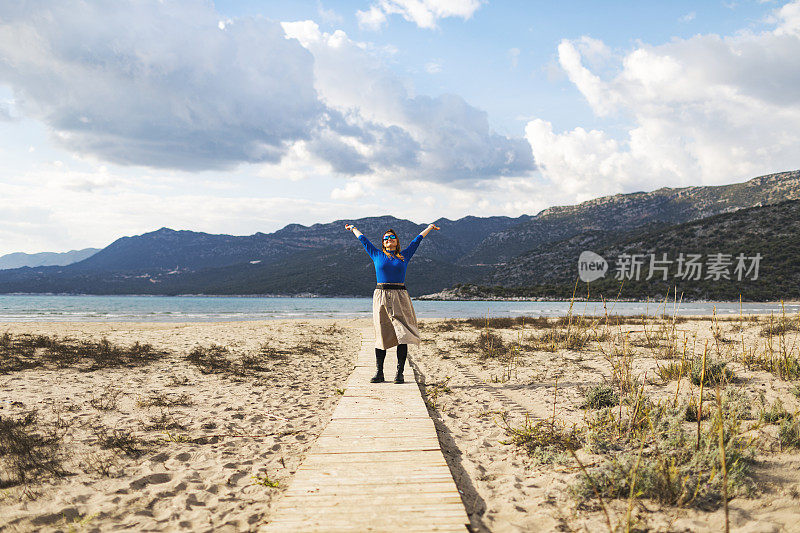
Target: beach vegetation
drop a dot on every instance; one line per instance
(715, 372)
(662, 458)
(780, 326)
(775, 413)
(107, 400)
(600, 396)
(24, 351)
(28, 453)
(486, 345)
(432, 392)
(101, 465)
(545, 440)
(162, 422)
(179, 437)
(502, 322)
(672, 371)
(265, 481)
(164, 400)
(120, 441)
(789, 432)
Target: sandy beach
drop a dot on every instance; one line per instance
(207, 439)
(205, 446)
(507, 489)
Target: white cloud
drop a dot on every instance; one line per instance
(688, 17)
(351, 191)
(158, 84)
(298, 164)
(513, 54)
(329, 16)
(704, 110)
(55, 208)
(439, 139)
(423, 13)
(6, 111)
(372, 19)
(433, 67)
(173, 85)
(789, 19)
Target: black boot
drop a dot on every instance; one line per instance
(380, 355)
(402, 353)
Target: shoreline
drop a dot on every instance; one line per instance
(433, 297)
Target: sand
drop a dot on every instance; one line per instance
(207, 473)
(204, 486)
(506, 490)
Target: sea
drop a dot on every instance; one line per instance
(51, 308)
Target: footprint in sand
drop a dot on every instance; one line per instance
(151, 479)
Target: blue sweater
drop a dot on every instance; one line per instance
(390, 269)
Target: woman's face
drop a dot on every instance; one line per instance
(390, 241)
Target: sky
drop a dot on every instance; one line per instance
(118, 118)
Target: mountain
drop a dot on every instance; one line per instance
(170, 250)
(623, 212)
(771, 231)
(534, 255)
(20, 259)
(284, 262)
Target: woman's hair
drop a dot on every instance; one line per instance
(396, 252)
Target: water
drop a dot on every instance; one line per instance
(44, 308)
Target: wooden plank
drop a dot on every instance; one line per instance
(377, 466)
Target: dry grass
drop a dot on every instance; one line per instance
(24, 351)
(645, 446)
(487, 345)
(544, 440)
(601, 396)
(657, 449)
(107, 399)
(121, 441)
(163, 400)
(780, 326)
(27, 452)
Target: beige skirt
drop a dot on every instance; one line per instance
(394, 319)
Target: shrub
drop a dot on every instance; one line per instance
(672, 469)
(25, 452)
(779, 327)
(789, 432)
(716, 372)
(601, 396)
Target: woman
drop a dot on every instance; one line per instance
(392, 313)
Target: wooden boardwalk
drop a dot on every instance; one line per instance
(377, 466)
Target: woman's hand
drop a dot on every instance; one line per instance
(428, 229)
(350, 227)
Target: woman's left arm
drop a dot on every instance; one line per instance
(412, 247)
(427, 230)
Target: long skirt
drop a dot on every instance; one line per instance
(394, 318)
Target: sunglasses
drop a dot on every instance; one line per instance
(389, 238)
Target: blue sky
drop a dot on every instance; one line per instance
(245, 116)
(475, 54)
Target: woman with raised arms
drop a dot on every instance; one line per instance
(392, 313)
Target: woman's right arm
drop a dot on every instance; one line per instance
(353, 229)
